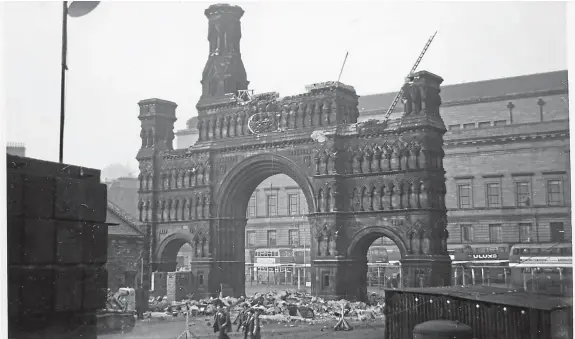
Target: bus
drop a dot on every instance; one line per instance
(542, 268)
(274, 265)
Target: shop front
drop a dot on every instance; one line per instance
(484, 268)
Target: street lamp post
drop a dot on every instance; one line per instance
(75, 10)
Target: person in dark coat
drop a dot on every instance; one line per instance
(222, 323)
(253, 325)
(140, 303)
(241, 320)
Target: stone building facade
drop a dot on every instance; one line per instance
(506, 162)
(125, 249)
(361, 181)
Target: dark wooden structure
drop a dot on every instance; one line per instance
(491, 312)
(361, 181)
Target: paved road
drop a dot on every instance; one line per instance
(173, 328)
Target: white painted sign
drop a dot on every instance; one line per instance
(265, 260)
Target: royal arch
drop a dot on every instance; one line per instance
(361, 181)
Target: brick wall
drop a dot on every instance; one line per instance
(56, 249)
(124, 254)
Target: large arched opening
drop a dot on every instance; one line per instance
(238, 185)
(175, 252)
(377, 252)
(270, 197)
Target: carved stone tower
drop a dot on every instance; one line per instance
(224, 72)
(157, 117)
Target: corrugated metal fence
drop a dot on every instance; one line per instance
(406, 309)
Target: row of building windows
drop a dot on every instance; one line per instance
(293, 238)
(482, 124)
(522, 194)
(526, 233)
(554, 197)
(293, 207)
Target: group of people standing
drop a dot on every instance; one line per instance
(247, 321)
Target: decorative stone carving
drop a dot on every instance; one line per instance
(207, 171)
(199, 207)
(148, 211)
(206, 207)
(375, 203)
(386, 158)
(302, 114)
(326, 112)
(284, 117)
(183, 214)
(394, 163)
(396, 195)
(319, 200)
(200, 174)
(317, 113)
(424, 194)
(317, 162)
(176, 205)
(414, 194)
(385, 197)
(364, 199)
(263, 122)
(166, 210)
(193, 207)
(331, 161)
(294, 115)
(405, 194)
(422, 157)
(332, 203)
(309, 114)
(366, 162)
(404, 158)
(425, 244)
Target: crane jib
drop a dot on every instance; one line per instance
(400, 93)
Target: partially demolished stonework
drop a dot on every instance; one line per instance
(361, 181)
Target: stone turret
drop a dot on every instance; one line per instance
(224, 72)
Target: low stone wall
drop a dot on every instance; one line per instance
(57, 249)
(179, 285)
(159, 288)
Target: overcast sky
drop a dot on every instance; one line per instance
(125, 52)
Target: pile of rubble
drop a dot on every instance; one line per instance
(278, 307)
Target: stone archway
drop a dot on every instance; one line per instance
(168, 249)
(362, 239)
(238, 185)
(357, 254)
(232, 200)
(354, 175)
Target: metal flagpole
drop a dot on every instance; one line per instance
(76, 9)
(63, 76)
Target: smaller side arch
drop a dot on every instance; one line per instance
(363, 238)
(168, 248)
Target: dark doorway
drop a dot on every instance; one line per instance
(557, 232)
(130, 278)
